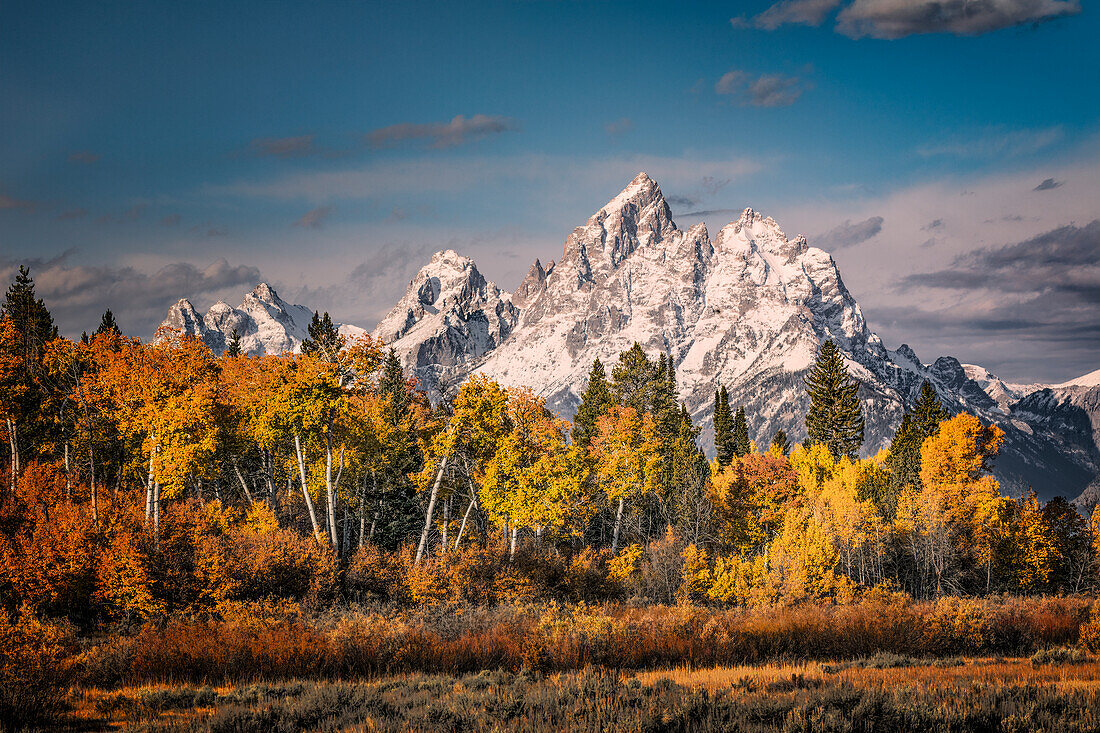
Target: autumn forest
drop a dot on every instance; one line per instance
(168, 515)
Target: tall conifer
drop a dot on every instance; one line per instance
(723, 427)
(741, 443)
(835, 417)
(595, 401)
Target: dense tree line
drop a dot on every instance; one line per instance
(143, 478)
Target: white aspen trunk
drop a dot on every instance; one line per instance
(68, 477)
(512, 548)
(431, 508)
(156, 513)
(443, 544)
(305, 489)
(240, 477)
(329, 493)
(149, 483)
(95, 492)
(14, 446)
(466, 516)
(363, 512)
(618, 525)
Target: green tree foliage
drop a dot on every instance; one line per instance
(835, 417)
(723, 427)
(741, 443)
(916, 426)
(595, 402)
(780, 444)
(324, 339)
(233, 348)
(107, 324)
(632, 380)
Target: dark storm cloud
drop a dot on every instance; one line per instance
(1047, 185)
(848, 234)
(899, 18)
(458, 131)
(78, 294)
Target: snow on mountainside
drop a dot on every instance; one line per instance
(449, 317)
(1092, 379)
(748, 309)
(266, 323)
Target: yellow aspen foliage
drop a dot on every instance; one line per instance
(622, 567)
(695, 576)
(124, 581)
(960, 452)
(1037, 551)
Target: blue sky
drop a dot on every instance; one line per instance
(155, 151)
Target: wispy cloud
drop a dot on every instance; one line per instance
(8, 203)
(459, 131)
(314, 218)
(72, 215)
(996, 143)
(619, 127)
(788, 12)
(899, 18)
(85, 157)
(1047, 184)
(848, 234)
(171, 220)
(283, 147)
(765, 90)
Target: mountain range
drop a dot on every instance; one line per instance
(747, 308)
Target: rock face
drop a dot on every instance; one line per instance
(748, 308)
(449, 318)
(266, 323)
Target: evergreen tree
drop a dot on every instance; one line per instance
(33, 323)
(632, 379)
(723, 427)
(916, 426)
(835, 417)
(780, 443)
(233, 348)
(392, 382)
(595, 401)
(32, 427)
(324, 340)
(107, 324)
(929, 412)
(741, 443)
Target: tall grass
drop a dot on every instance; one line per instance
(546, 638)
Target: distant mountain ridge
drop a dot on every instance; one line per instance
(747, 308)
(265, 323)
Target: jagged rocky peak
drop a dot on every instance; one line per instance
(533, 284)
(184, 318)
(449, 317)
(265, 293)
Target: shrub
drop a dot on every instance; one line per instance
(37, 664)
(1057, 656)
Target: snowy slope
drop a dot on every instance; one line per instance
(266, 323)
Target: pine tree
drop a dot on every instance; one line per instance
(324, 340)
(595, 401)
(392, 383)
(632, 380)
(835, 417)
(916, 426)
(780, 443)
(107, 324)
(723, 427)
(741, 443)
(233, 348)
(33, 323)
